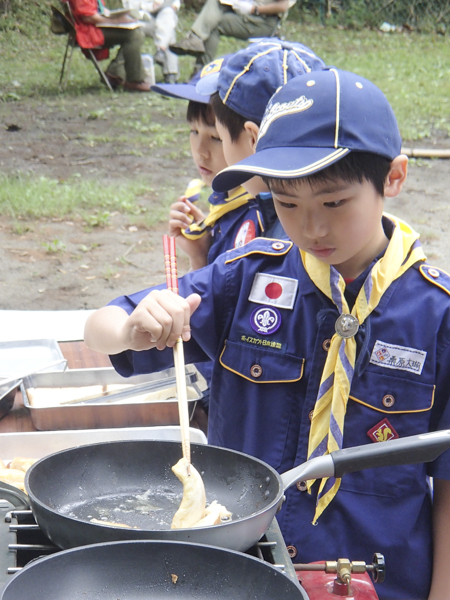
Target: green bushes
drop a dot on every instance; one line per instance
(418, 15)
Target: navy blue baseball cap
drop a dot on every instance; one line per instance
(314, 121)
(248, 80)
(187, 91)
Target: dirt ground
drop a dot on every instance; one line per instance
(44, 139)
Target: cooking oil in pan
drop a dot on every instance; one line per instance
(152, 509)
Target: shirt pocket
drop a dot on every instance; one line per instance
(381, 407)
(260, 391)
(260, 365)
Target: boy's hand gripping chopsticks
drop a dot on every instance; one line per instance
(170, 261)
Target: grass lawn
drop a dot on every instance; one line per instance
(412, 69)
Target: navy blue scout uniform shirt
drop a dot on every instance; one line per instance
(243, 224)
(233, 230)
(269, 358)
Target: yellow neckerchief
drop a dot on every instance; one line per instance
(327, 425)
(224, 205)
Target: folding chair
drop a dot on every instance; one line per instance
(64, 24)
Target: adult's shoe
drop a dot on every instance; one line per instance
(137, 86)
(170, 78)
(159, 57)
(114, 80)
(191, 45)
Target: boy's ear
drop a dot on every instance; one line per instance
(252, 131)
(396, 176)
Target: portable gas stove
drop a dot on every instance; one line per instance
(23, 541)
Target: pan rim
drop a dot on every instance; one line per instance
(105, 546)
(279, 496)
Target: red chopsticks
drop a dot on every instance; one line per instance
(170, 263)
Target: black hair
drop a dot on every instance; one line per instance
(354, 167)
(229, 118)
(204, 113)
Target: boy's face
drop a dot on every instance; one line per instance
(206, 148)
(233, 150)
(338, 222)
(236, 150)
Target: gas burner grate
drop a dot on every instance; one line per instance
(30, 542)
(22, 541)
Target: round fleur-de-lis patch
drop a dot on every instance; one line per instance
(265, 320)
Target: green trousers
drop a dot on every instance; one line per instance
(216, 19)
(128, 63)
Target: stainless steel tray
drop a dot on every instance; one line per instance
(28, 356)
(121, 409)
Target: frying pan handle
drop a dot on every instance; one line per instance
(17, 498)
(402, 451)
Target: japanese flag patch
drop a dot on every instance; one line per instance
(401, 358)
(273, 290)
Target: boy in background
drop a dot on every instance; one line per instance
(240, 91)
(321, 343)
(234, 217)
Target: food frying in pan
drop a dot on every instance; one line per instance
(193, 503)
(193, 511)
(215, 514)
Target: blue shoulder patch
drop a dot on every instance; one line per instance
(260, 246)
(436, 276)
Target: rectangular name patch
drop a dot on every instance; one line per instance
(398, 357)
(273, 290)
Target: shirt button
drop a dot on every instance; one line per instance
(278, 246)
(311, 414)
(434, 273)
(302, 486)
(326, 345)
(388, 401)
(256, 371)
(292, 551)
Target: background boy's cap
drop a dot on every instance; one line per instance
(312, 122)
(183, 91)
(252, 75)
(186, 91)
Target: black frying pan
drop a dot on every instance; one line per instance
(146, 570)
(131, 482)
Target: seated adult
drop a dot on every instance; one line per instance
(242, 19)
(127, 68)
(160, 20)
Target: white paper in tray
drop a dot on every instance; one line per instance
(61, 325)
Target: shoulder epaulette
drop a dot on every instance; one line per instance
(270, 247)
(436, 276)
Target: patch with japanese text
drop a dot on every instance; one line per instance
(398, 357)
(267, 343)
(382, 432)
